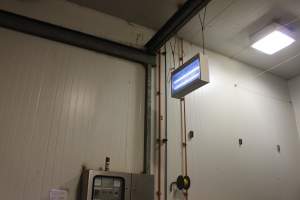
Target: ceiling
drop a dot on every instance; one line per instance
(149, 13)
(229, 25)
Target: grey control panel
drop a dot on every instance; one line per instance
(108, 188)
(103, 185)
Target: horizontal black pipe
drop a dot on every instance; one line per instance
(175, 23)
(75, 38)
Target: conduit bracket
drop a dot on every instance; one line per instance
(162, 141)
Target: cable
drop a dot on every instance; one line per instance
(202, 23)
(215, 17)
(173, 51)
(173, 48)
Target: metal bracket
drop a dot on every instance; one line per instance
(175, 23)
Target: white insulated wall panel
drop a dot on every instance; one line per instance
(294, 86)
(258, 110)
(62, 107)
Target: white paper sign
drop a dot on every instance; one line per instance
(58, 194)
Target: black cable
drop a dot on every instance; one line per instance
(173, 51)
(203, 34)
(202, 23)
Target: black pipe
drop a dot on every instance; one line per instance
(147, 120)
(72, 37)
(175, 23)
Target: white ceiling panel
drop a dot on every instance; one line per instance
(148, 13)
(229, 25)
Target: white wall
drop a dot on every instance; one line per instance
(54, 116)
(294, 86)
(257, 110)
(63, 107)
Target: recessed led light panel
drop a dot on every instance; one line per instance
(273, 42)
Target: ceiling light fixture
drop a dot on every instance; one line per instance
(272, 39)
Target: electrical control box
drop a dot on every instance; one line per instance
(103, 185)
(190, 76)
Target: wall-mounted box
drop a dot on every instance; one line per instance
(102, 185)
(190, 76)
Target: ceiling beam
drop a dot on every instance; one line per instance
(75, 38)
(175, 23)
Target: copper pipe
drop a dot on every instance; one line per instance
(166, 126)
(182, 123)
(184, 129)
(184, 119)
(182, 136)
(159, 129)
(185, 140)
(181, 117)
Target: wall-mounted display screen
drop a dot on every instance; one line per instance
(188, 77)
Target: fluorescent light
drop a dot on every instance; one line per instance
(185, 82)
(193, 71)
(273, 42)
(186, 75)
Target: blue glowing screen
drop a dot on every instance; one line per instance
(186, 75)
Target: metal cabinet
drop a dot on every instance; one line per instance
(102, 185)
(142, 187)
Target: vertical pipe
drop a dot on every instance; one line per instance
(184, 119)
(166, 125)
(184, 146)
(182, 139)
(147, 120)
(180, 61)
(159, 128)
(185, 139)
(181, 118)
